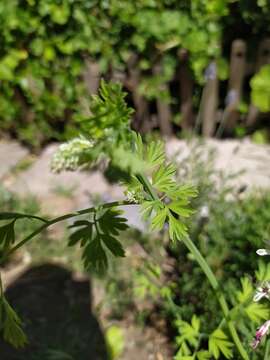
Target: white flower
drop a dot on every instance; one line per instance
(131, 197)
(260, 333)
(263, 252)
(204, 212)
(262, 292)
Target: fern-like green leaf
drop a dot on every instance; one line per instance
(155, 153)
(150, 206)
(257, 312)
(184, 192)
(177, 230)
(94, 257)
(183, 351)
(188, 332)
(219, 344)
(163, 178)
(178, 208)
(247, 291)
(138, 144)
(7, 235)
(203, 355)
(113, 245)
(263, 272)
(110, 222)
(11, 325)
(97, 235)
(83, 234)
(159, 219)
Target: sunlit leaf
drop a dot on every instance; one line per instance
(219, 344)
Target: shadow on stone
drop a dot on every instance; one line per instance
(57, 317)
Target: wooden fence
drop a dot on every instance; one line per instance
(210, 120)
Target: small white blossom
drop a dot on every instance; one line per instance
(204, 212)
(131, 197)
(262, 292)
(263, 252)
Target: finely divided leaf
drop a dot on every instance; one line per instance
(112, 223)
(178, 208)
(83, 234)
(113, 245)
(177, 230)
(155, 154)
(247, 290)
(203, 355)
(219, 344)
(163, 178)
(12, 329)
(184, 191)
(257, 312)
(159, 219)
(188, 332)
(263, 272)
(7, 235)
(94, 257)
(147, 207)
(94, 235)
(138, 144)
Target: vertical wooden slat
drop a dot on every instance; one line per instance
(263, 58)
(163, 108)
(142, 117)
(209, 102)
(186, 89)
(118, 76)
(237, 72)
(91, 76)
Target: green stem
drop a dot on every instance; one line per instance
(209, 274)
(221, 299)
(56, 220)
(267, 350)
(16, 216)
(1, 288)
(147, 186)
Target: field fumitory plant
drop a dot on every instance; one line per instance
(107, 141)
(262, 292)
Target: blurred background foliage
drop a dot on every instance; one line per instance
(48, 45)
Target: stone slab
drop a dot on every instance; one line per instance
(11, 153)
(249, 162)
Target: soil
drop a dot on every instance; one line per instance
(56, 308)
(57, 316)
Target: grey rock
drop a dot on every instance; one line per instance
(247, 164)
(40, 181)
(11, 153)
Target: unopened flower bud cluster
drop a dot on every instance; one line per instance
(69, 155)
